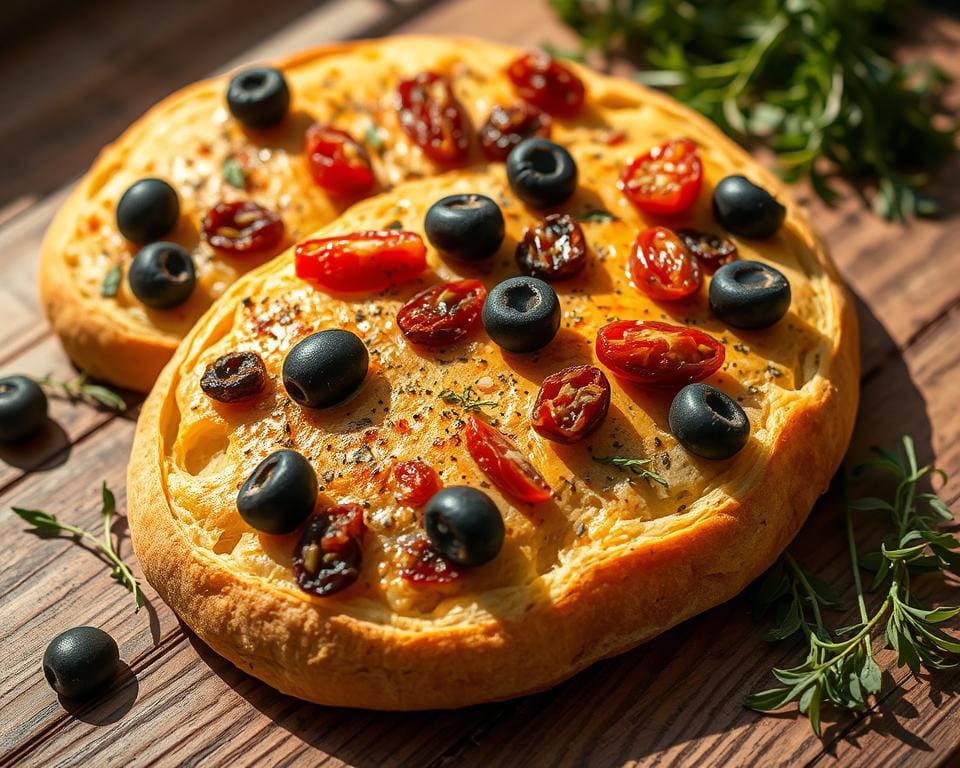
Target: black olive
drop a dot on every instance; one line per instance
(280, 493)
(147, 211)
(745, 209)
(23, 408)
(541, 173)
(259, 97)
(464, 525)
(162, 275)
(234, 376)
(708, 422)
(468, 227)
(749, 294)
(522, 314)
(325, 368)
(81, 662)
(554, 249)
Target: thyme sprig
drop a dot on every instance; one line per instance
(47, 525)
(468, 399)
(636, 467)
(840, 668)
(79, 389)
(815, 81)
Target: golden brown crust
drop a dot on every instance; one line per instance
(611, 595)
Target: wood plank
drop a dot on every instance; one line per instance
(69, 421)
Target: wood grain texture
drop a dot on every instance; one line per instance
(675, 701)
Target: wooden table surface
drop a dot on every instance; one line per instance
(70, 80)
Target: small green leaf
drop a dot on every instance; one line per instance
(394, 225)
(109, 507)
(372, 138)
(42, 521)
(870, 675)
(598, 215)
(111, 282)
(234, 173)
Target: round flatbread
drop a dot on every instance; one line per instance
(613, 558)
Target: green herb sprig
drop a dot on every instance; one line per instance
(47, 525)
(468, 399)
(636, 467)
(111, 282)
(812, 79)
(79, 389)
(840, 667)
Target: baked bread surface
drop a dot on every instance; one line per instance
(609, 562)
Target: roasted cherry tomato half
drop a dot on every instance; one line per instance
(712, 251)
(363, 261)
(508, 126)
(547, 84)
(443, 314)
(571, 404)
(242, 226)
(327, 557)
(433, 118)
(420, 563)
(554, 249)
(662, 267)
(666, 180)
(658, 353)
(338, 162)
(504, 464)
(416, 482)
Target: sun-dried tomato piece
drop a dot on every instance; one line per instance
(433, 118)
(508, 126)
(662, 267)
(443, 314)
(712, 251)
(554, 249)
(362, 261)
(328, 556)
(242, 226)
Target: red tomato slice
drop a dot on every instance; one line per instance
(443, 314)
(502, 462)
(571, 404)
(658, 353)
(662, 267)
(433, 118)
(666, 180)
(338, 162)
(416, 482)
(363, 261)
(547, 84)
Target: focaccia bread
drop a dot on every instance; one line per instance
(629, 531)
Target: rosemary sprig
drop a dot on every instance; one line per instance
(469, 400)
(814, 81)
(79, 389)
(636, 467)
(840, 668)
(47, 525)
